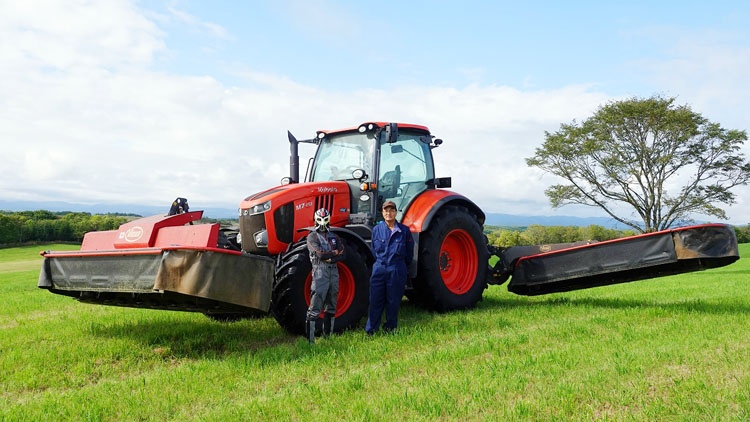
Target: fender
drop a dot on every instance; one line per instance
(354, 238)
(347, 234)
(422, 210)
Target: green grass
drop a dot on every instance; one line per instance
(26, 253)
(675, 348)
(27, 258)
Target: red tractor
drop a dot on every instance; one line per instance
(166, 262)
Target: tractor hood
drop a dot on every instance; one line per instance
(270, 220)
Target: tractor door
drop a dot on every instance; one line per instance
(338, 156)
(405, 167)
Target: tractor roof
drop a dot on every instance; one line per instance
(378, 124)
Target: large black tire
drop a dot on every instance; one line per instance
(290, 296)
(452, 262)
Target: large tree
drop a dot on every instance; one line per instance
(662, 160)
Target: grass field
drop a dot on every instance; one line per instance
(675, 348)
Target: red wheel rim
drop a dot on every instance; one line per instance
(346, 289)
(458, 261)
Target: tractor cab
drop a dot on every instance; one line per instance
(380, 162)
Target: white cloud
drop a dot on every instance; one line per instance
(60, 36)
(213, 28)
(709, 73)
(473, 74)
(707, 70)
(85, 118)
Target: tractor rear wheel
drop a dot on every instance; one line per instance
(291, 291)
(452, 262)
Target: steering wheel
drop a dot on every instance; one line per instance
(390, 182)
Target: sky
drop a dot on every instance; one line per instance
(122, 101)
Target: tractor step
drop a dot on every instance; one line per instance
(623, 260)
(198, 279)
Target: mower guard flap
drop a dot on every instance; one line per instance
(190, 279)
(623, 260)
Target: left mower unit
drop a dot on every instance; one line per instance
(162, 262)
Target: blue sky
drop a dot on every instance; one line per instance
(348, 45)
(135, 102)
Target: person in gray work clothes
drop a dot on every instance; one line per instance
(326, 250)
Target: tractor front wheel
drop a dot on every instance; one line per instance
(291, 291)
(452, 262)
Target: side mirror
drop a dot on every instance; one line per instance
(440, 182)
(359, 174)
(391, 132)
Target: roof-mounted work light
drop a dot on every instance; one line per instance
(366, 127)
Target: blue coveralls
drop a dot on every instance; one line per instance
(393, 254)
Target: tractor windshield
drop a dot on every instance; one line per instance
(339, 155)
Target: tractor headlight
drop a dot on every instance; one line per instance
(260, 208)
(261, 239)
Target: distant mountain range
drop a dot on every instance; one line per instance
(143, 210)
(493, 219)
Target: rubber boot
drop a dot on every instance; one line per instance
(310, 331)
(328, 323)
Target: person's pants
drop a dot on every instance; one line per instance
(324, 291)
(387, 286)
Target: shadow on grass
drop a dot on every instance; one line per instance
(189, 338)
(688, 305)
(203, 339)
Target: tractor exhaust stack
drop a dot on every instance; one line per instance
(293, 158)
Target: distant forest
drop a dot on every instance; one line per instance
(46, 226)
(539, 235)
(542, 235)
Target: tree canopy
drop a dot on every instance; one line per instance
(662, 161)
(46, 226)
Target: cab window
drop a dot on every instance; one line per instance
(405, 166)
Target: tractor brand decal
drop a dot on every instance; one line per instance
(327, 189)
(545, 248)
(303, 205)
(133, 234)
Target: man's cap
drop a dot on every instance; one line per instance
(387, 204)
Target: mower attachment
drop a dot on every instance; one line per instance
(172, 266)
(623, 260)
(200, 279)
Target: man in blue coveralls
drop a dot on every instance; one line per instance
(394, 249)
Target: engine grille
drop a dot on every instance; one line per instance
(249, 225)
(324, 201)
